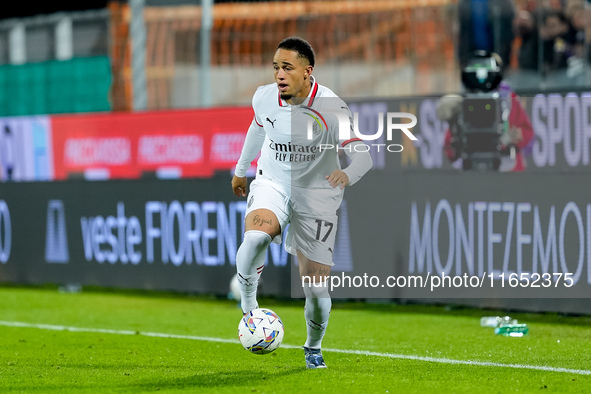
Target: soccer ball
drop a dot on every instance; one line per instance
(260, 331)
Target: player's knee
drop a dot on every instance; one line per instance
(252, 249)
(256, 239)
(316, 290)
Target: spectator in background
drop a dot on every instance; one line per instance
(486, 25)
(557, 43)
(554, 36)
(526, 27)
(575, 14)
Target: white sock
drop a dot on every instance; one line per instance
(250, 261)
(317, 312)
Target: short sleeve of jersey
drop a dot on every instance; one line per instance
(256, 102)
(342, 123)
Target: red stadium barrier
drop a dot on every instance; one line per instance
(170, 144)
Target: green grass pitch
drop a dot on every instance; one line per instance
(375, 348)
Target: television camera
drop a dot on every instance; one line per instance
(479, 119)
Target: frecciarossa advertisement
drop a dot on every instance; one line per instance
(171, 144)
(164, 144)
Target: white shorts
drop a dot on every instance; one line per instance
(264, 194)
(310, 213)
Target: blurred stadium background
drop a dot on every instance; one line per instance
(376, 48)
(151, 97)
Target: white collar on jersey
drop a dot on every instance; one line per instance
(311, 96)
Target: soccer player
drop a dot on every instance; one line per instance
(299, 181)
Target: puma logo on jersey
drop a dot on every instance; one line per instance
(272, 122)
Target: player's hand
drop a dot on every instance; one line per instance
(239, 186)
(338, 178)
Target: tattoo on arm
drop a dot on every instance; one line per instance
(258, 221)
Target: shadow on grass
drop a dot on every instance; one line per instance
(247, 379)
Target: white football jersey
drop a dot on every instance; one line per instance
(301, 141)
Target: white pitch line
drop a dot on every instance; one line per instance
(286, 346)
(464, 362)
